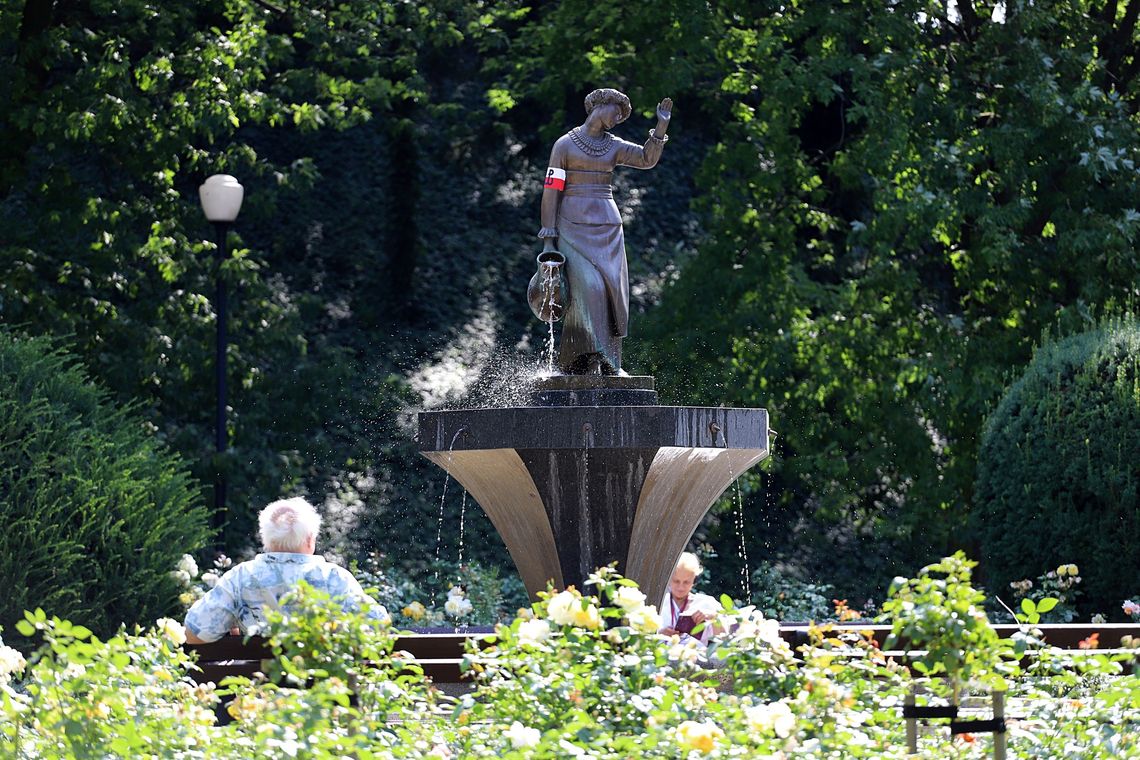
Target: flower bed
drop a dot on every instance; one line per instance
(575, 676)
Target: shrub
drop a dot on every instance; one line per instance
(95, 513)
(418, 599)
(574, 676)
(941, 612)
(1058, 468)
(782, 596)
(1060, 585)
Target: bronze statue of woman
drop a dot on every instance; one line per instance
(578, 211)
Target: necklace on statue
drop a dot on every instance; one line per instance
(591, 146)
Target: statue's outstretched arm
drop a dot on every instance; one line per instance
(646, 156)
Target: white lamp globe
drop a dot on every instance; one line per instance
(221, 197)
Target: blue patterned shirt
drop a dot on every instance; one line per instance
(242, 595)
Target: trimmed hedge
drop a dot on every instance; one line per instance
(95, 513)
(1059, 468)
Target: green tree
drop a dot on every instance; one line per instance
(902, 201)
(117, 111)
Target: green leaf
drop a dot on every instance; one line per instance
(1046, 604)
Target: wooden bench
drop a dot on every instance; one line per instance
(1064, 636)
(438, 654)
(1060, 635)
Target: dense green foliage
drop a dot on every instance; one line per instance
(866, 215)
(95, 513)
(900, 203)
(1058, 474)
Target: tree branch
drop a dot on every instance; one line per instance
(36, 19)
(1116, 46)
(969, 17)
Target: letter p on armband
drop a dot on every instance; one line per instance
(555, 179)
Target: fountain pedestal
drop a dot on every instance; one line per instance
(575, 486)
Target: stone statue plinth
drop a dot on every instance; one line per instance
(594, 390)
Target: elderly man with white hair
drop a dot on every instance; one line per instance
(239, 599)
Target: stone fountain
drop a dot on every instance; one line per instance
(593, 470)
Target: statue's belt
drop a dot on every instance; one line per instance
(591, 190)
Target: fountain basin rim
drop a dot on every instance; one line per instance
(598, 427)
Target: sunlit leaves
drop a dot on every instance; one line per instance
(927, 199)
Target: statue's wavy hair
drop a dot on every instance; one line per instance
(608, 95)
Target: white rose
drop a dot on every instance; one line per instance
(644, 618)
(456, 606)
(74, 670)
(11, 661)
(210, 579)
(784, 721)
(628, 598)
(757, 627)
(188, 565)
(571, 750)
(685, 651)
(522, 736)
(559, 607)
(568, 609)
(533, 632)
(776, 717)
(172, 630)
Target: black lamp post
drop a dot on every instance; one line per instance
(221, 197)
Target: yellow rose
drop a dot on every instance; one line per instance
(699, 736)
(587, 617)
(415, 611)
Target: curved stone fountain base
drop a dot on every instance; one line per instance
(573, 488)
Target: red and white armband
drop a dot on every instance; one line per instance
(555, 179)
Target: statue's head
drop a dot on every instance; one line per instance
(607, 96)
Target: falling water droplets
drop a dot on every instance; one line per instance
(462, 518)
(548, 283)
(738, 524)
(745, 579)
(442, 501)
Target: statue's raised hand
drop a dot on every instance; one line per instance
(665, 110)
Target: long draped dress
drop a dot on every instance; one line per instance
(590, 236)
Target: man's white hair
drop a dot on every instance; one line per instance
(286, 525)
(688, 561)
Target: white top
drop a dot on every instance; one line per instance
(694, 602)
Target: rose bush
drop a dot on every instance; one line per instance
(575, 675)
